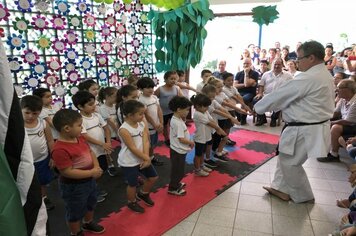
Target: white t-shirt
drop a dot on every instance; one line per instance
(185, 92)
(50, 112)
(200, 87)
(126, 158)
(220, 98)
(93, 126)
(202, 130)
(231, 92)
(347, 109)
(38, 141)
(109, 112)
(152, 104)
(215, 106)
(271, 82)
(178, 129)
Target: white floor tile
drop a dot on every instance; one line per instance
(253, 221)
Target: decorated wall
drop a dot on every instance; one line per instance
(58, 43)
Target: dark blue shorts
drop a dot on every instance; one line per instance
(131, 173)
(103, 163)
(154, 140)
(43, 171)
(200, 148)
(167, 118)
(79, 198)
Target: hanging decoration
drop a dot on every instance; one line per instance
(180, 34)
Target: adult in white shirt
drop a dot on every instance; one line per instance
(307, 102)
(270, 81)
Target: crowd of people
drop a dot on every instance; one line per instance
(77, 144)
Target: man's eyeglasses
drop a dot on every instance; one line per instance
(300, 58)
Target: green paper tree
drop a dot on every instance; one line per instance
(180, 35)
(264, 15)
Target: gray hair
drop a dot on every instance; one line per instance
(313, 48)
(348, 83)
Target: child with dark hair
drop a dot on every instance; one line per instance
(41, 140)
(78, 168)
(204, 124)
(184, 86)
(180, 143)
(125, 93)
(134, 155)
(153, 114)
(95, 130)
(107, 98)
(165, 93)
(205, 75)
(92, 87)
(48, 110)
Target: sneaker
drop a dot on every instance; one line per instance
(206, 169)
(225, 153)
(178, 192)
(210, 163)
(156, 162)
(329, 158)
(102, 193)
(112, 171)
(168, 143)
(273, 123)
(221, 158)
(182, 185)
(230, 142)
(201, 173)
(145, 197)
(93, 227)
(134, 206)
(100, 199)
(48, 203)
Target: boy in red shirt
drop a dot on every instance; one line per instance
(78, 168)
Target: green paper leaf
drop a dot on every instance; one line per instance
(160, 55)
(159, 44)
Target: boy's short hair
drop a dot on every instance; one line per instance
(227, 75)
(40, 92)
(86, 84)
(31, 102)
(145, 82)
(180, 73)
(179, 102)
(65, 117)
(205, 71)
(131, 107)
(200, 100)
(81, 98)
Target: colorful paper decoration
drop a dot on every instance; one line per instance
(86, 63)
(110, 20)
(69, 66)
(90, 49)
(114, 78)
(58, 22)
(21, 24)
(16, 42)
(102, 60)
(42, 5)
(75, 21)
(2, 32)
(4, 13)
(82, 7)
(39, 69)
(105, 30)
(60, 90)
(90, 35)
(89, 20)
(117, 64)
(15, 64)
(51, 79)
(71, 37)
(102, 75)
(30, 57)
(39, 22)
(74, 76)
(73, 89)
(31, 82)
(71, 54)
(106, 46)
(62, 7)
(43, 42)
(59, 45)
(102, 9)
(24, 5)
(54, 64)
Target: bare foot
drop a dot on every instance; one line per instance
(279, 194)
(343, 203)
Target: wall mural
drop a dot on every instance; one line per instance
(57, 44)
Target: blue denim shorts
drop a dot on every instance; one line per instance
(43, 171)
(79, 198)
(131, 173)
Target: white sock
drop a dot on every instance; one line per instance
(333, 153)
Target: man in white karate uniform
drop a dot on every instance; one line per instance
(307, 103)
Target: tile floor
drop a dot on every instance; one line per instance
(246, 210)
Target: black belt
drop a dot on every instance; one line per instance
(298, 124)
(302, 123)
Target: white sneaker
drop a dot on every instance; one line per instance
(201, 173)
(206, 169)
